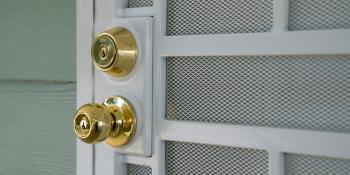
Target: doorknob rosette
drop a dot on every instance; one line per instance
(115, 51)
(114, 121)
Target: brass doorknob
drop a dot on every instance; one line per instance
(114, 51)
(114, 121)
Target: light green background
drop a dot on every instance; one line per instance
(37, 87)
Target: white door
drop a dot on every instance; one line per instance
(224, 86)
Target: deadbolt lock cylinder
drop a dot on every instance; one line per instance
(115, 51)
(114, 121)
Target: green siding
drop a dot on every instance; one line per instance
(37, 87)
(36, 128)
(37, 39)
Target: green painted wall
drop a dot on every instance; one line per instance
(37, 87)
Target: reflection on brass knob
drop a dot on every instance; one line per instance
(115, 52)
(114, 121)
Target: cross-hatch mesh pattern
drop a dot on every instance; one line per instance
(319, 14)
(197, 17)
(190, 158)
(296, 164)
(140, 3)
(304, 92)
(138, 170)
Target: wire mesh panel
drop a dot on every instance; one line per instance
(138, 170)
(196, 17)
(140, 3)
(304, 92)
(191, 158)
(319, 14)
(296, 164)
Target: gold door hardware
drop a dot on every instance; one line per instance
(114, 121)
(114, 51)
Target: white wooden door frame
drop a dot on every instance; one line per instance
(84, 36)
(275, 140)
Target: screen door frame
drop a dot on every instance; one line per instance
(276, 141)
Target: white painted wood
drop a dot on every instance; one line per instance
(105, 10)
(139, 160)
(104, 159)
(84, 152)
(159, 86)
(136, 86)
(138, 12)
(279, 43)
(283, 140)
(280, 15)
(276, 162)
(107, 161)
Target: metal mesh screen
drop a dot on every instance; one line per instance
(191, 158)
(138, 170)
(304, 92)
(319, 14)
(296, 164)
(196, 17)
(140, 3)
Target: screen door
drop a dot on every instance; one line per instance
(249, 87)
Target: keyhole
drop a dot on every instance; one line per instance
(84, 124)
(103, 52)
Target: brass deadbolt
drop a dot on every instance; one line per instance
(114, 121)
(114, 52)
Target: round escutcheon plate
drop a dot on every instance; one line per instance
(125, 118)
